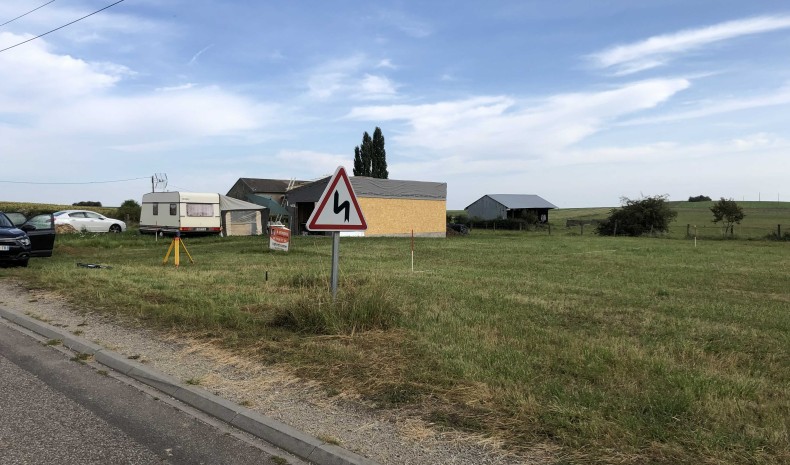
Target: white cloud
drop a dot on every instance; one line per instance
(376, 87)
(780, 97)
(346, 78)
(503, 127)
(33, 77)
(386, 63)
(58, 98)
(658, 50)
(195, 57)
(317, 164)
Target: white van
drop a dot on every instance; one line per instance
(187, 212)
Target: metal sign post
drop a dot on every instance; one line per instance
(337, 210)
(335, 261)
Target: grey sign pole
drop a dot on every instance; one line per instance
(335, 253)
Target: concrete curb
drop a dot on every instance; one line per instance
(261, 426)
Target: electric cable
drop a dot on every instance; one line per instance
(58, 28)
(72, 183)
(25, 14)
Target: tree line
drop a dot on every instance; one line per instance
(652, 215)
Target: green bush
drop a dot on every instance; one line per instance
(129, 211)
(649, 215)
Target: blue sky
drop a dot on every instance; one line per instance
(580, 102)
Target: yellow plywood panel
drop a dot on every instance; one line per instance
(398, 217)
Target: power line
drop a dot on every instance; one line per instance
(25, 14)
(73, 183)
(58, 28)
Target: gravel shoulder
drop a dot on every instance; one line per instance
(386, 436)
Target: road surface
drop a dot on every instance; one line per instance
(56, 410)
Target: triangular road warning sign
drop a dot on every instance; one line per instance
(337, 209)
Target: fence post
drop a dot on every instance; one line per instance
(615, 229)
(549, 229)
(778, 231)
(688, 231)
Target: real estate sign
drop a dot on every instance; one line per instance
(279, 239)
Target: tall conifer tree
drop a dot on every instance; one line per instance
(370, 158)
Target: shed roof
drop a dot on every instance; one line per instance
(374, 187)
(274, 207)
(515, 201)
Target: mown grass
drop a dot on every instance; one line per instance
(609, 350)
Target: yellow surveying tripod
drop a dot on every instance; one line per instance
(176, 244)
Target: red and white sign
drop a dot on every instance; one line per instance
(337, 209)
(279, 239)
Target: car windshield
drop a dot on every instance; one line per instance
(58, 213)
(5, 222)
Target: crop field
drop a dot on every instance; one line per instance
(30, 209)
(601, 350)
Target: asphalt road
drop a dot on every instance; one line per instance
(57, 411)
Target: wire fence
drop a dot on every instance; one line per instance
(676, 231)
(774, 232)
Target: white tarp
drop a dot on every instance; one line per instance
(230, 204)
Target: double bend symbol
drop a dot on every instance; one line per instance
(338, 207)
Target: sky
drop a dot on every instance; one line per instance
(581, 102)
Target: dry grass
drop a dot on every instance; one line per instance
(599, 350)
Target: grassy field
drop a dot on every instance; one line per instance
(604, 350)
(760, 221)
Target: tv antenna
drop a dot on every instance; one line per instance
(159, 182)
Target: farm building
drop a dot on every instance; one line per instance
(265, 192)
(391, 207)
(510, 206)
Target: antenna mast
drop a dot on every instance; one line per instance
(158, 181)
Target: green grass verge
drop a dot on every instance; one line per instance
(611, 350)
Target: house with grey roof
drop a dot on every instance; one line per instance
(391, 207)
(510, 206)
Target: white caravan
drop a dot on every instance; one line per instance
(185, 212)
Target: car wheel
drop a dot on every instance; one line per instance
(23, 262)
(115, 228)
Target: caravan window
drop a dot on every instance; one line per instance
(173, 209)
(200, 209)
(156, 208)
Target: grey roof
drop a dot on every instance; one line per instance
(274, 207)
(271, 186)
(513, 201)
(373, 187)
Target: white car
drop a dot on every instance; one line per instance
(85, 220)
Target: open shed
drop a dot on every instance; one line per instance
(510, 206)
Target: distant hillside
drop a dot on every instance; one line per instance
(761, 218)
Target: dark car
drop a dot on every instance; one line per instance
(33, 238)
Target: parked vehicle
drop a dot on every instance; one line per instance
(86, 220)
(35, 237)
(185, 212)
